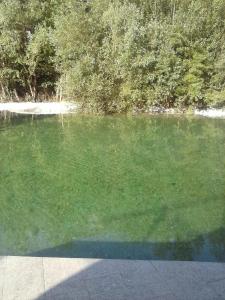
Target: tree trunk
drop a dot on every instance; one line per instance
(60, 96)
(3, 91)
(16, 95)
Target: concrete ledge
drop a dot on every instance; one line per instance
(69, 278)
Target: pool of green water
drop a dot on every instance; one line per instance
(143, 187)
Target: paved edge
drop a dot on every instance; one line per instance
(76, 278)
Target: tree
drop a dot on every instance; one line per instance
(114, 56)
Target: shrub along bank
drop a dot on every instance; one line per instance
(114, 56)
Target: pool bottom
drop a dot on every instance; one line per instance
(113, 187)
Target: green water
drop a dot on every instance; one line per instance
(113, 187)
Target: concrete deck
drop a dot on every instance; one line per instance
(26, 278)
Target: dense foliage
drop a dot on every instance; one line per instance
(114, 55)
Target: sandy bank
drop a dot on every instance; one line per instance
(39, 108)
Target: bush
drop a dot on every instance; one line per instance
(115, 56)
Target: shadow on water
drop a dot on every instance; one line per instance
(207, 248)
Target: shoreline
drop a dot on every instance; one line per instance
(39, 108)
(211, 112)
(54, 108)
(207, 112)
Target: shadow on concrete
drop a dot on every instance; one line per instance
(103, 280)
(130, 279)
(208, 247)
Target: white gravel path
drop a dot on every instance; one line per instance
(40, 108)
(211, 113)
(48, 108)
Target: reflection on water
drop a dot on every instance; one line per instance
(144, 187)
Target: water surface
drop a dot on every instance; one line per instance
(113, 187)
